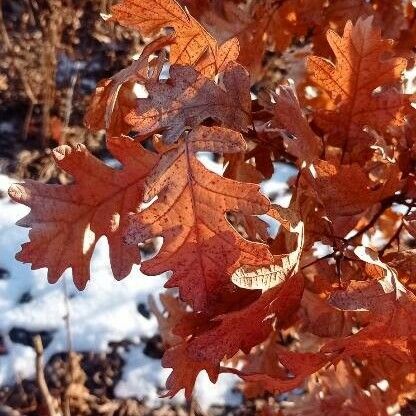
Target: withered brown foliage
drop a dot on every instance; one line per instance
(270, 304)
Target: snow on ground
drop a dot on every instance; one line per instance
(105, 311)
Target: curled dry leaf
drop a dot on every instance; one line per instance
(194, 46)
(188, 98)
(114, 98)
(266, 277)
(388, 288)
(200, 246)
(288, 116)
(66, 221)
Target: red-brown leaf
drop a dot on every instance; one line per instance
(363, 64)
(188, 98)
(194, 45)
(66, 221)
(200, 246)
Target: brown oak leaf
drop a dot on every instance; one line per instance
(194, 46)
(330, 183)
(66, 221)
(392, 329)
(200, 246)
(302, 142)
(364, 64)
(187, 98)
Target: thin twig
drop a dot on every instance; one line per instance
(69, 104)
(40, 377)
(67, 319)
(327, 256)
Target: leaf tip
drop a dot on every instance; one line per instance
(17, 192)
(60, 152)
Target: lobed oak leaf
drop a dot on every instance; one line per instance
(229, 333)
(66, 221)
(188, 98)
(185, 370)
(363, 65)
(194, 46)
(200, 246)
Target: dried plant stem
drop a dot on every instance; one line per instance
(40, 377)
(67, 319)
(68, 105)
(19, 68)
(49, 62)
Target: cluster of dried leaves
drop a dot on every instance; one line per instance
(266, 309)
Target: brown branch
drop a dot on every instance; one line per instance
(385, 204)
(396, 234)
(327, 256)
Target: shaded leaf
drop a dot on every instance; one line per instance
(331, 182)
(239, 330)
(287, 116)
